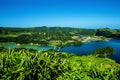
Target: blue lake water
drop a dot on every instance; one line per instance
(89, 47)
(84, 49)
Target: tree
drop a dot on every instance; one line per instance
(104, 52)
(106, 32)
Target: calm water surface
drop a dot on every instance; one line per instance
(12, 45)
(89, 47)
(84, 49)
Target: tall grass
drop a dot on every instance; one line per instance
(23, 64)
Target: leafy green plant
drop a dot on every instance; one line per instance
(24, 64)
(104, 52)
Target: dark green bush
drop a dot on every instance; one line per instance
(104, 52)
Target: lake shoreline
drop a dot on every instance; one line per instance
(83, 49)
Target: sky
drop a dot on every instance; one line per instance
(64, 13)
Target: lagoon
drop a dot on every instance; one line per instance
(85, 49)
(12, 45)
(89, 47)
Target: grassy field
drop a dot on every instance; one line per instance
(24, 64)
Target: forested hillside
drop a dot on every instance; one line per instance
(43, 35)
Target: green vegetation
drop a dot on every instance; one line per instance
(65, 35)
(106, 32)
(29, 64)
(24, 64)
(44, 35)
(104, 52)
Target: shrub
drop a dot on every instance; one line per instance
(104, 52)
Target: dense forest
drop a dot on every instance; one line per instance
(106, 32)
